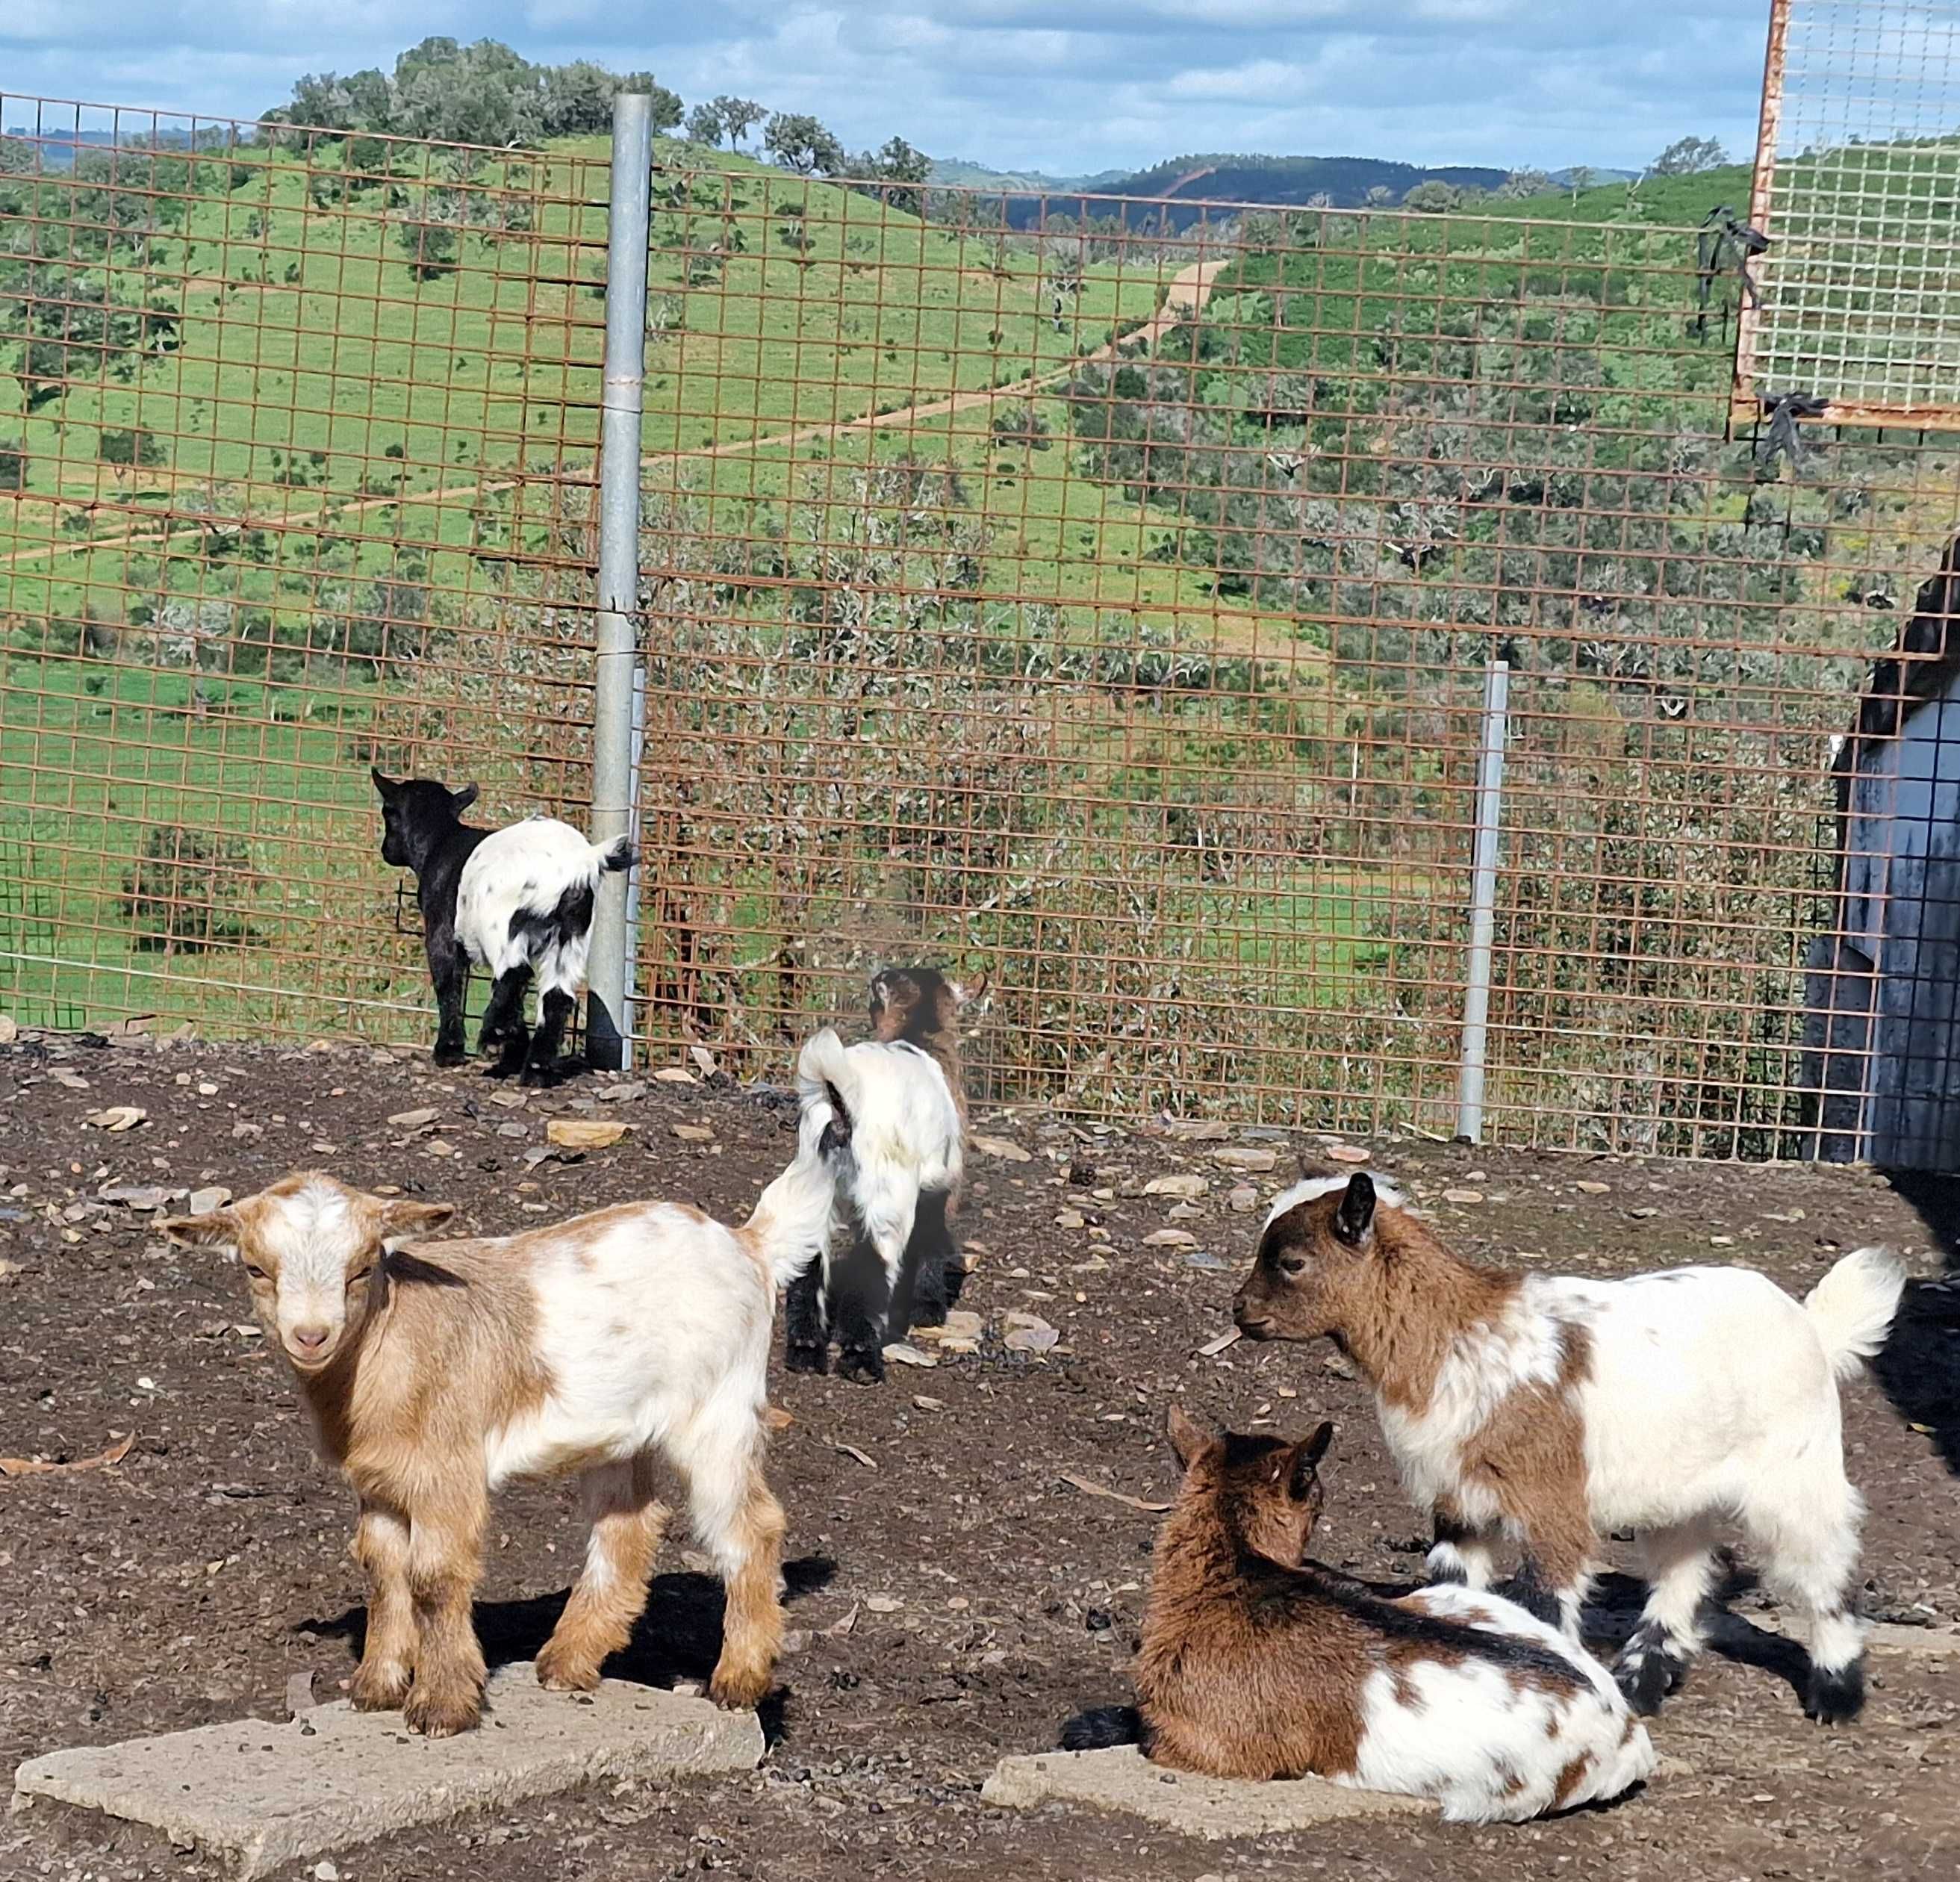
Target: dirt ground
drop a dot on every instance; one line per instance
(952, 1597)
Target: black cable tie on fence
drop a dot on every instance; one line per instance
(1782, 438)
(1724, 243)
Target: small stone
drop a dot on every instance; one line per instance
(1347, 1153)
(693, 1133)
(415, 1119)
(1463, 1196)
(1721, 1241)
(514, 1129)
(623, 1093)
(118, 1117)
(883, 1603)
(133, 1195)
(1594, 1189)
(922, 1403)
(1028, 1332)
(326, 1872)
(1243, 1199)
(1170, 1238)
(584, 1133)
(1201, 1259)
(1071, 1218)
(440, 1147)
(1001, 1146)
(1235, 1158)
(1186, 1184)
(899, 1353)
(1641, 1215)
(675, 1074)
(1196, 1130)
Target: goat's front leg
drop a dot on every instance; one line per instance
(1560, 1553)
(1462, 1552)
(740, 1525)
(445, 1558)
(449, 972)
(388, 1656)
(628, 1523)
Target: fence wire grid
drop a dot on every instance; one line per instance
(1857, 185)
(1098, 591)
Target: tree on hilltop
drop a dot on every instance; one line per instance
(798, 142)
(1689, 157)
(739, 117)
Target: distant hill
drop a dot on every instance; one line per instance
(1594, 174)
(1280, 181)
(953, 173)
(58, 147)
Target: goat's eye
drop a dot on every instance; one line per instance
(252, 1269)
(1293, 1264)
(354, 1280)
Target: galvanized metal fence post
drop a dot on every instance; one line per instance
(1483, 901)
(615, 805)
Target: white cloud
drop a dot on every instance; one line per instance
(1059, 85)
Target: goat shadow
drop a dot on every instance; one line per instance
(1918, 1369)
(678, 1637)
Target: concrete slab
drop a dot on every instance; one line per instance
(1930, 1643)
(263, 1795)
(1124, 1780)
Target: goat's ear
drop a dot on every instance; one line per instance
(1354, 1220)
(217, 1229)
(1188, 1437)
(1307, 1457)
(965, 992)
(463, 799)
(387, 787)
(409, 1221)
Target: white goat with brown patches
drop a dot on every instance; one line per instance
(437, 1372)
(1544, 1408)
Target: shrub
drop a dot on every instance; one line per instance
(185, 889)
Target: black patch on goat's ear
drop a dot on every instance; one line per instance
(389, 788)
(1354, 1220)
(465, 797)
(1315, 1447)
(836, 1135)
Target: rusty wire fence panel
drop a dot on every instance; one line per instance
(296, 468)
(1104, 600)
(1857, 185)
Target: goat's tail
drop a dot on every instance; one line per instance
(1102, 1726)
(1852, 1307)
(619, 852)
(827, 1079)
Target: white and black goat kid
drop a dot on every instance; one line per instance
(898, 1141)
(516, 901)
(1543, 1409)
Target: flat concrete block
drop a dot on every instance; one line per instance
(1931, 1643)
(1125, 1780)
(264, 1794)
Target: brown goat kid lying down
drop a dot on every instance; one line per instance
(1258, 1664)
(436, 1371)
(1542, 1409)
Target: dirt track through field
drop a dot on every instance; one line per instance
(1188, 291)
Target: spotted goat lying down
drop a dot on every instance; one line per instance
(1543, 1409)
(436, 1371)
(1257, 1662)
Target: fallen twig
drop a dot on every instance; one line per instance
(1090, 1487)
(34, 1467)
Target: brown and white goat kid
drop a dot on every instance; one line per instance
(1544, 1408)
(437, 1372)
(1258, 1663)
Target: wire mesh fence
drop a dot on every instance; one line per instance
(1857, 184)
(1096, 591)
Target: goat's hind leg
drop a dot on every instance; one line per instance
(555, 1007)
(504, 1025)
(869, 1277)
(924, 1293)
(628, 1523)
(740, 1525)
(806, 1330)
(1680, 1563)
(1813, 1560)
(449, 972)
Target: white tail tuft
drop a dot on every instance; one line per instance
(616, 854)
(1852, 1307)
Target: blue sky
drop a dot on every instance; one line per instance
(1061, 85)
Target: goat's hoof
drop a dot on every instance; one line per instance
(737, 1688)
(561, 1670)
(442, 1712)
(449, 1056)
(380, 1688)
(1837, 1696)
(539, 1078)
(1649, 1669)
(798, 1359)
(862, 1369)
